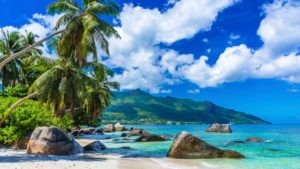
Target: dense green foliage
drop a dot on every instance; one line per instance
(72, 86)
(26, 118)
(140, 106)
(14, 71)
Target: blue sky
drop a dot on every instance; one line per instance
(241, 54)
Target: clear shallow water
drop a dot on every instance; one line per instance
(282, 152)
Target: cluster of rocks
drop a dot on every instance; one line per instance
(109, 128)
(145, 136)
(53, 141)
(219, 128)
(86, 131)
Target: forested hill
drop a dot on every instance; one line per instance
(140, 106)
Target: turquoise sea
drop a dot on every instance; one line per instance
(280, 151)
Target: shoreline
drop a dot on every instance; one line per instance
(18, 159)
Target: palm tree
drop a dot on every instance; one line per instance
(9, 43)
(61, 86)
(68, 89)
(98, 88)
(83, 28)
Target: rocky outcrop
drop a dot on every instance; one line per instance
(94, 146)
(219, 128)
(151, 138)
(119, 127)
(187, 146)
(254, 139)
(52, 141)
(109, 128)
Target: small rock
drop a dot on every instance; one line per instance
(151, 138)
(219, 128)
(87, 131)
(254, 139)
(22, 144)
(98, 131)
(123, 135)
(136, 132)
(231, 143)
(119, 127)
(109, 128)
(94, 146)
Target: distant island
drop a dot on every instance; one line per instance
(139, 107)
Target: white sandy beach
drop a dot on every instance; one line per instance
(12, 159)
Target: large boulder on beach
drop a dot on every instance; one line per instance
(187, 146)
(52, 141)
(119, 127)
(94, 146)
(219, 128)
(254, 139)
(151, 138)
(109, 128)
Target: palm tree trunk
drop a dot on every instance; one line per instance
(20, 53)
(13, 107)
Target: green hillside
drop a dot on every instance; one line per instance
(137, 105)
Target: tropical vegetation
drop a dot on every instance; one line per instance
(74, 85)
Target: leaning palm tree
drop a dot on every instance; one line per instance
(83, 28)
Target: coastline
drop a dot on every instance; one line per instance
(18, 159)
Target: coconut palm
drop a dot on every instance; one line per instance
(98, 89)
(68, 89)
(9, 43)
(12, 42)
(84, 30)
(60, 86)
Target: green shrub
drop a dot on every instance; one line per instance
(25, 118)
(19, 90)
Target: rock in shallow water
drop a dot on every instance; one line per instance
(219, 128)
(109, 128)
(94, 146)
(119, 127)
(235, 142)
(151, 138)
(254, 139)
(52, 141)
(187, 146)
